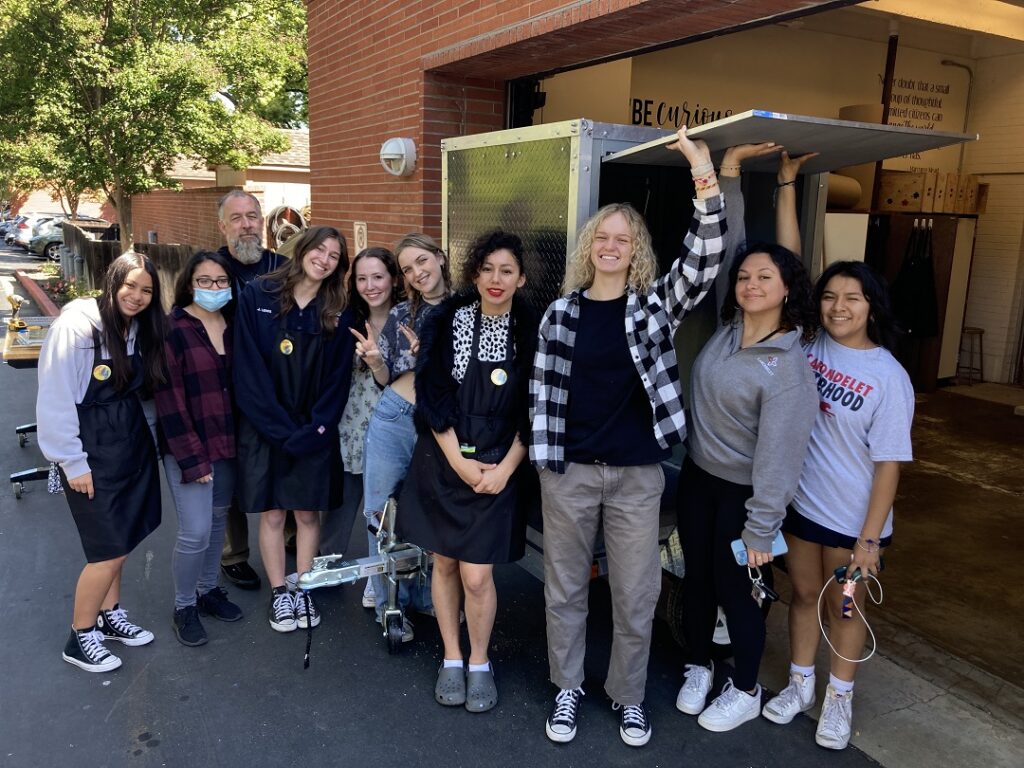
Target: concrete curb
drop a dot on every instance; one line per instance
(38, 295)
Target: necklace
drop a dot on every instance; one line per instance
(765, 338)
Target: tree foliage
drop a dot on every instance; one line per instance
(110, 92)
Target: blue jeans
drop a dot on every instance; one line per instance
(390, 440)
(202, 514)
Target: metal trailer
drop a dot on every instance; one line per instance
(543, 182)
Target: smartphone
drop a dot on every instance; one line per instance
(739, 548)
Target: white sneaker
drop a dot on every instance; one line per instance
(836, 720)
(731, 709)
(795, 698)
(369, 596)
(696, 684)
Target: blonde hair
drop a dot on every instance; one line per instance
(424, 243)
(643, 264)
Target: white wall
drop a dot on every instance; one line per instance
(997, 275)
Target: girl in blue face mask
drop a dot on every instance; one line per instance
(197, 437)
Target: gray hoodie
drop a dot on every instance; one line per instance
(65, 368)
(753, 410)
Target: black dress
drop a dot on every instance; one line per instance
(436, 509)
(116, 438)
(271, 477)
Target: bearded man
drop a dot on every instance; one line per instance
(240, 220)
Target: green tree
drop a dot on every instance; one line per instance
(117, 89)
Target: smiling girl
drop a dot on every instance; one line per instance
(461, 498)
(98, 358)
(391, 356)
(373, 289)
(293, 361)
(842, 512)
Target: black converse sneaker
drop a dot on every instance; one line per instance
(215, 603)
(301, 600)
(634, 727)
(114, 625)
(561, 724)
(282, 611)
(85, 650)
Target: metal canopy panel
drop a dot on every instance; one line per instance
(841, 143)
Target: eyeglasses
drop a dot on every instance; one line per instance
(209, 282)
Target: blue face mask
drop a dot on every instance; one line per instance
(211, 300)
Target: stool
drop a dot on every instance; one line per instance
(969, 334)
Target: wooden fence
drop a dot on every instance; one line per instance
(88, 260)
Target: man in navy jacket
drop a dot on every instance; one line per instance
(240, 220)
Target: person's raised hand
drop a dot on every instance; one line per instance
(367, 349)
(789, 167)
(695, 152)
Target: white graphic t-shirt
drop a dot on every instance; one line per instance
(866, 406)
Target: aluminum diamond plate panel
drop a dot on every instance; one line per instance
(526, 188)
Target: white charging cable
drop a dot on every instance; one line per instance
(871, 596)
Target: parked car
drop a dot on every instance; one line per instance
(8, 229)
(26, 229)
(49, 235)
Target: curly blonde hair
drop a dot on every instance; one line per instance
(643, 264)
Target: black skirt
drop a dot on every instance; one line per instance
(125, 507)
(271, 478)
(439, 512)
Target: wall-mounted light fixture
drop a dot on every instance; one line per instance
(398, 156)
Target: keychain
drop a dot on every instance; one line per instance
(758, 590)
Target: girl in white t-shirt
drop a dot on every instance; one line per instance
(842, 512)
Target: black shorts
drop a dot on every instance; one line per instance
(797, 525)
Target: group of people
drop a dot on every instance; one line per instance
(305, 385)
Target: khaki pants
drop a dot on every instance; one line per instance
(628, 499)
(236, 537)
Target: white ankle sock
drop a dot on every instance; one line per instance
(453, 663)
(840, 686)
(805, 671)
(480, 667)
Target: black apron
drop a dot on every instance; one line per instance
(125, 507)
(269, 476)
(437, 510)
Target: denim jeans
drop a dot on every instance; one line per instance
(202, 514)
(390, 440)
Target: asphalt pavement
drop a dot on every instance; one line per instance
(244, 699)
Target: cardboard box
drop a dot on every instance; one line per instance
(949, 201)
(940, 193)
(901, 191)
(928, 196)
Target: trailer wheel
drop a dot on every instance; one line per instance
(674, 607)
(18, 488)
(394, 633)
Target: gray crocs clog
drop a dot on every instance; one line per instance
(450, 689)
(481, 692)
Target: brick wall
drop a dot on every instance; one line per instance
(430, 69)
(995, 301)
(188, 216)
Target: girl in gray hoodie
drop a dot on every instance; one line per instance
(753, 408)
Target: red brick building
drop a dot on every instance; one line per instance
(430, 69)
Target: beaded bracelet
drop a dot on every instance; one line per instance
(700, 187)
(872, 545)
(729, 167)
